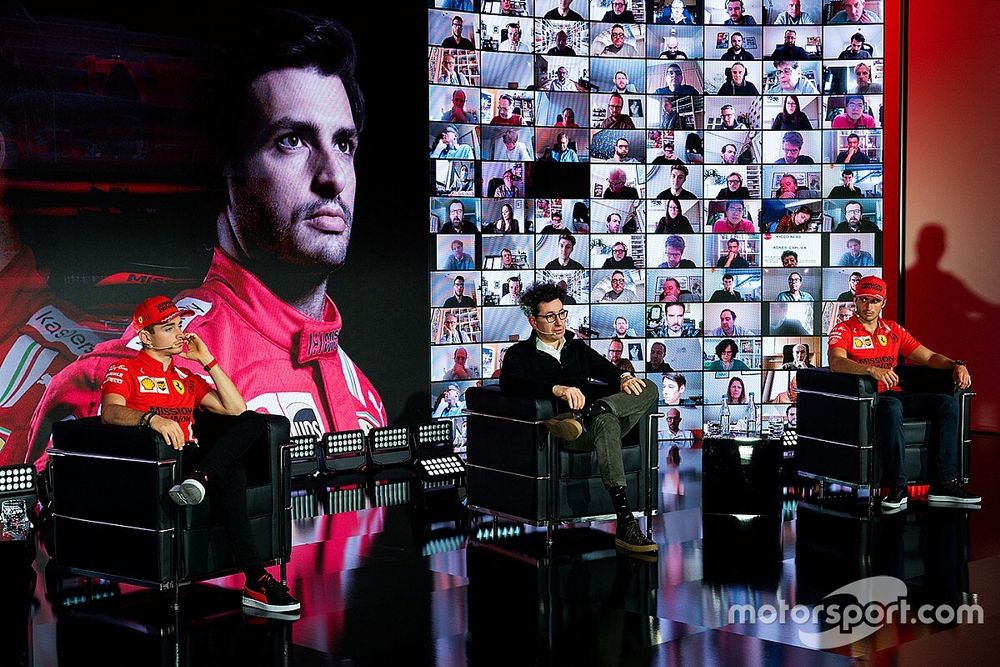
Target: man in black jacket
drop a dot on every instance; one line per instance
(551, 362)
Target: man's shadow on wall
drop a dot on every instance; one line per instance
(953, 307)
(948, 317)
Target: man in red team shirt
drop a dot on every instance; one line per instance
(147, 390)
(868, 345)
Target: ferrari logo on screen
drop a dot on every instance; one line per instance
(150, 385)
(179, 387)
(863, 343)
(882, 340)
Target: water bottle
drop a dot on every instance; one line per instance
(751, 416)
(724, 417)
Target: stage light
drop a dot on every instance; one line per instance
(18, 481)
(344, 451)
(305, 458)
(437, 464)
(390, 446)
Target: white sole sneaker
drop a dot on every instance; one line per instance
(890, 507)
(188, 492)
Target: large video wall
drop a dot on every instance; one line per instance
(705, 178)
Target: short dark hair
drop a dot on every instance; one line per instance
(539, 293)
(569, 237)
(676, 378)
(854, 135)
(728, 276)
(725, 343)
(272, 40)
(794, 138)
(789, 253)
(681, 168)
(858, 37)
(730, 311)
(674, 241)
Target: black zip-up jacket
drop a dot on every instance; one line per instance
(528, 372)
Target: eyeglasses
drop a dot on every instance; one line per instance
(856, 105)
(551, 317)
(787, 71)
(618, 281)
(734, 180)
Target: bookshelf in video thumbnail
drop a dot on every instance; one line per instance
(703, 177)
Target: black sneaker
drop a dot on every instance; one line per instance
(896, 500)
(564, 426)
(270, 595)
(189, 492)
(951, 494)
(631, 538)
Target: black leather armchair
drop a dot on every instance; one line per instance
(112, 517)
(836, 426)
(516, 469)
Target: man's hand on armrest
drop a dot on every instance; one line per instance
(571, 395)
(114, 411)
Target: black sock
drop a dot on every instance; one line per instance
(619, 498)
(253, 573)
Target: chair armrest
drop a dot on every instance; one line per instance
(921, 379)
(90, 436)
(823, 380)
(491, 401)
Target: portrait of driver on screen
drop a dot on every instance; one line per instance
(289, 114)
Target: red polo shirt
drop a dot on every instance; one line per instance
(881, 348)
(173, 393)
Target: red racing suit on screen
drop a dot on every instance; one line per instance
(282, 361)
(881, 349)
(39, 336)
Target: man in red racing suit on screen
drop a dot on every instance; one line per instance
(289, 115)
(868, 345)
(39, 336)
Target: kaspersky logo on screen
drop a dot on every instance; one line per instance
(853, 612)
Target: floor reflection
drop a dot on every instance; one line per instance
(391, 570)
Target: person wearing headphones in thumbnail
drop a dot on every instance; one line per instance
(148, 391)
(283, 228)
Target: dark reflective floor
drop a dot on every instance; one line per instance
(391, 574)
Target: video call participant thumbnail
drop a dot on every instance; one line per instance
(285, 227)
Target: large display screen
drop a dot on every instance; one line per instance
(705, 178)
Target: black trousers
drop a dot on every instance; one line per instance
(941, 410)
(222, 462)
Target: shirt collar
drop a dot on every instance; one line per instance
(286, 327)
